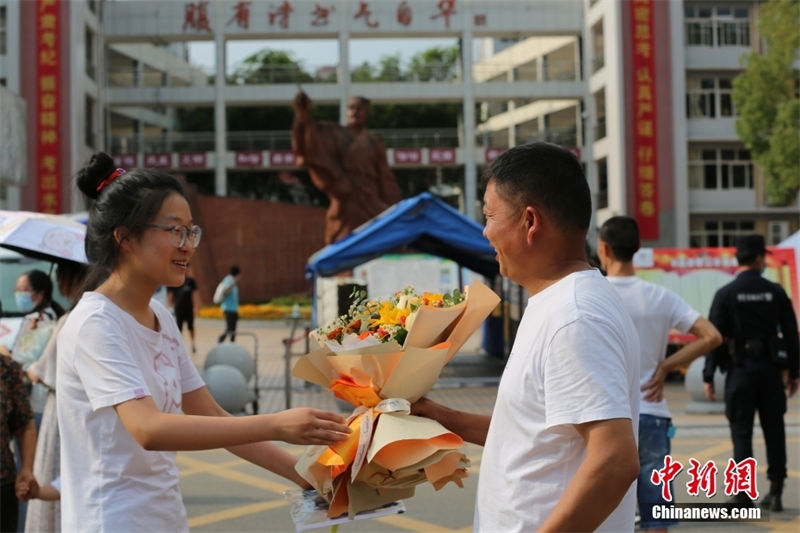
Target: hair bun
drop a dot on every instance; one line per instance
(89, 177)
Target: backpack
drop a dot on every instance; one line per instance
(219, 293)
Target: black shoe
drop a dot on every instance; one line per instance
(740, 500)
(772, 502)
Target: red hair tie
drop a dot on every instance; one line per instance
(111, 177)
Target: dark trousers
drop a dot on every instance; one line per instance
(9, 508)
(188, 318)
(748, 390)
(231, 317)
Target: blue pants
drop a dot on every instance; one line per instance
(653, 447)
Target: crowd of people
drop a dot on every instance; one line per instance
(580, 413)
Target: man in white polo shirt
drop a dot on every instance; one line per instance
(560, 446)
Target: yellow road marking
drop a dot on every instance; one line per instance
(215, 469)
(237, 512)
(404, 522)
(793, 526)
(253, 481)
(200, 467)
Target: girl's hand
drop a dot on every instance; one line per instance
(26, 487)
(304, 425)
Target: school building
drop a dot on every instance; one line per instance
(640, 90)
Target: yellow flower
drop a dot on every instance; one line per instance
(435, 299)
(389, 315)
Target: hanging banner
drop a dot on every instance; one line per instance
(48, 105)
(697, 273)
(645, 161)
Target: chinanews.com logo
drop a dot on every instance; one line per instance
(706, 512)
(739, 480)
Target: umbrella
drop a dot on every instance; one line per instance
(42, 236)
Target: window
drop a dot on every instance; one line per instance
(720, 169)
(526, 72)
(600, 109)
(602, 183)
(599, 48)
(777, 231)
(717, 25)
(714, 233)
(725, 91)
(89, 122)
(709, 97)
(90, 63)
(3, 32)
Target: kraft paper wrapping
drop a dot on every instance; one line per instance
(401, 450)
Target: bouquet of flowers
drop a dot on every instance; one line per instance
(384, 320)
(382, 356)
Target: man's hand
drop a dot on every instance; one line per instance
(708, 389)
(791, 386)
(654, 389)
(33, 376)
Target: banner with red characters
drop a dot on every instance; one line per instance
(645, 130)
(697, 273)
(48, 106)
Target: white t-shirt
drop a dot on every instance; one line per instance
(654, 310)
(110, 483)
(574, 360)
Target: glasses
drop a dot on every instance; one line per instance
(180, 234)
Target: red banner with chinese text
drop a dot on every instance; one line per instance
(48, 105)
(697, 273)
(645, 161)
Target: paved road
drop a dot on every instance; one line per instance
(223, 493)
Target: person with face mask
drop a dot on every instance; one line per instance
(33, 293)
(44, 513)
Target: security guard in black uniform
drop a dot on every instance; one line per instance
(757, 319)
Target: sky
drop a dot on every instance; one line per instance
(315, 53)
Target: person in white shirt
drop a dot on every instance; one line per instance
(560, 445)
(655, 311)
(129, 396)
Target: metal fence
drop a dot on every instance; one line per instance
(270, 140)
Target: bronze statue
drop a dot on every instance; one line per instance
(347, 163)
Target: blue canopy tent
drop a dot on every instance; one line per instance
(423, 224)
(420, 224)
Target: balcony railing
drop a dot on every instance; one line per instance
(717, 33)
(281, 140)
(270, 140)
(552, 70)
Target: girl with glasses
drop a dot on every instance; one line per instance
(129, 396)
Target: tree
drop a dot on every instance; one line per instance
(277, 66)
(767, 101)
(434, 64)
(390, 69)
(267, 67)
(363, 73)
